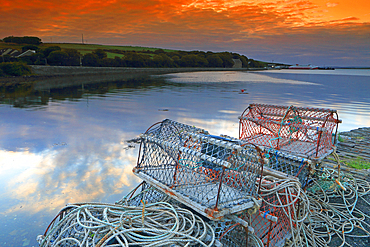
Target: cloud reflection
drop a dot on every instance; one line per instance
(222, 77)
(214, 126)
(77, 172)
(51, 179)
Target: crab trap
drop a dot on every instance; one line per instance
(271, 223)
(306, 132)
(269, 226)
(231, 231)
(214, 176)
(279, 216)
(276, 219)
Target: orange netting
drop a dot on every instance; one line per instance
(299, 130)
(270, 232)
(277, 217)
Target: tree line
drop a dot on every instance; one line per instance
(56, 56)
(23, 40)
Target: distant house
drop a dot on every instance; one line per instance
(26, 53)
(238, 63)
(15, 53)
(10, 52)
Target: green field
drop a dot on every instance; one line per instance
(143, 56)
(91, 47)
(87, 48)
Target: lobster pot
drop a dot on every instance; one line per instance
(235, 237)
(227, 232)
(281, 212)
(308, 132)
(215, 177)
(285, 164)
(272, 224)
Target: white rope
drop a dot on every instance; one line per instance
(116, 225)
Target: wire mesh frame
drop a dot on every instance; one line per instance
(272, 224)
(227, 232)
(232, 234)
(299, 130)
(144, 193)
(212, 175)
(286, 164)
(291, 165)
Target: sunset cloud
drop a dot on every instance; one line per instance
(179, 24)
(330, 5)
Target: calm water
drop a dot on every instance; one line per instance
(69, 145)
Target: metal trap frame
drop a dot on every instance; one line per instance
(268, 227)
(229, 232)
(306, 132)
(291, 165)
(271, 224)
(214, 176)
(284, 165)
(275, 221)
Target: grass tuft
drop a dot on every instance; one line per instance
(340, 138)
(358, 163)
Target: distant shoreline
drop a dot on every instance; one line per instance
(42, 73)
(77, 70)
(48, 77)
(55, 74)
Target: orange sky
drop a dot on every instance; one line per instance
(307, 31)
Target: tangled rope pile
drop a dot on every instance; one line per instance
(324, 211)
(290, 203)
(155, 224)
(324, 214)
(334, 196)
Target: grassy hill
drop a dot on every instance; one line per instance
(111, 50)
(95, 55)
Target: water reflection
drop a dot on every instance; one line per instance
(61, 145)
(227, 77)
(49, 180)
(40, 93)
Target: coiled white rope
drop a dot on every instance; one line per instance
(155, 224)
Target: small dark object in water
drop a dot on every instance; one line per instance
(135, 140)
